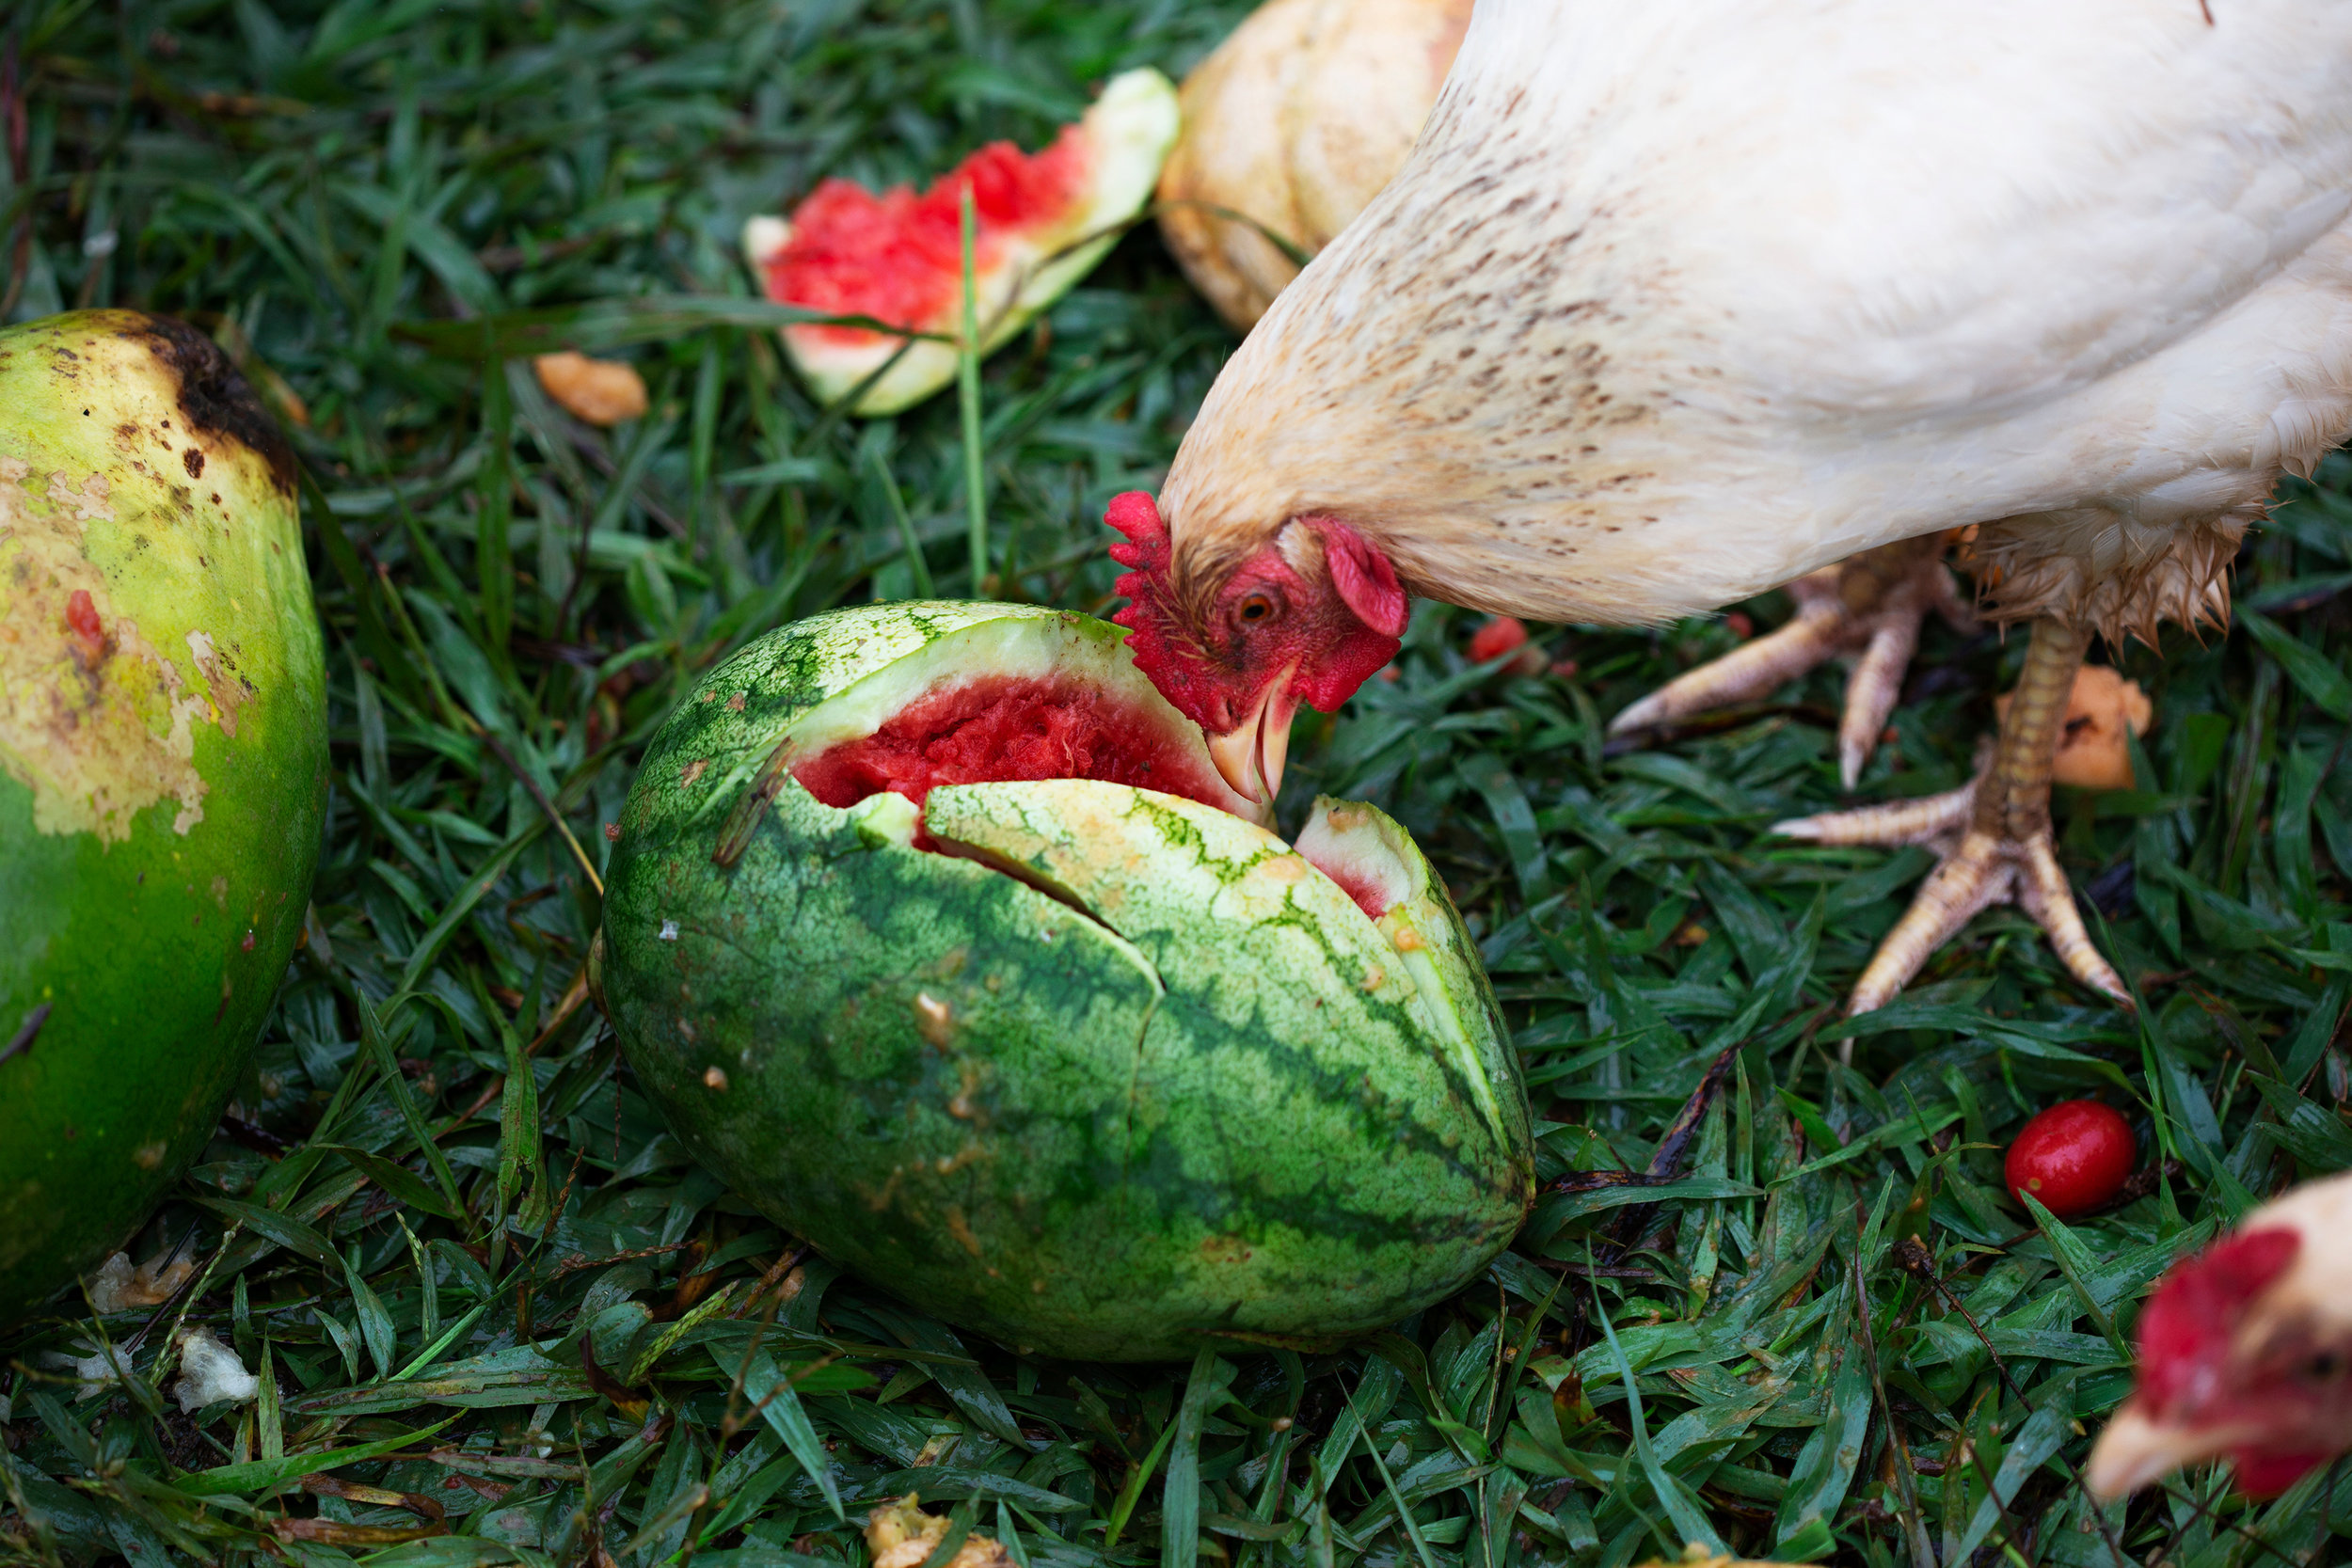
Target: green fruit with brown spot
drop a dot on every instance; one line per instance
(1073, 1052)
(163, 766)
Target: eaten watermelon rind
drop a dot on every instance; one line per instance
(1117, 1074)
(1361, 846)
(1130, 129)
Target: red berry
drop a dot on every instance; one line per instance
(1495, 637)
(2072, 1158)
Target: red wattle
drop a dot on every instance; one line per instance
(2265, 1474)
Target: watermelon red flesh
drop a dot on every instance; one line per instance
(1370, 895)
(899, 257)
(1001, 729)
(1040, 223)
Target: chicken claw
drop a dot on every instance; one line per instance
(1993, 836)
(1872, 602)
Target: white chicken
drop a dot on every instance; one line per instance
(2246, 1350)
(1674, 303)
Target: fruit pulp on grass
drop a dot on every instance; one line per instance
(1043, 222)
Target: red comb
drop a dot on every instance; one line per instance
(1134, 514)
(1145, 553)
(2196, 1310)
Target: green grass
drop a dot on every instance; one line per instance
(361, 200)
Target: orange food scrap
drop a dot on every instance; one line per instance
(1498, 636)
(601, 391)
(901, 1535)
(2094, 750)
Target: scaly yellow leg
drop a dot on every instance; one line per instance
(1871, 605)
(1994, 835)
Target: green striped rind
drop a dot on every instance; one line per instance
(1222, 1108)
(159, 804)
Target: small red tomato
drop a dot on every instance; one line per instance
(1741, 628)
(2072, 1158)
(1497, 637)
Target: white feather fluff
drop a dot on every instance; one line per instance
(210, 1373)
(2319, 1283)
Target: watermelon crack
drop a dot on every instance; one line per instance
(1029, 876)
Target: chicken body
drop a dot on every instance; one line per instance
(1674, 304)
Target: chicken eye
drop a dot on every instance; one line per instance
(2324, 1366)
(1256, 608)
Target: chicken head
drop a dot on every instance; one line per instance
(1306, 617)
(2246, 1351)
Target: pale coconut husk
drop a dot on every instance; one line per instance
(1297, 120)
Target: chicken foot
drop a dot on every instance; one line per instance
(1873, 602)
(1993, 836)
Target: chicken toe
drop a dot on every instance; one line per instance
(1993, 836)
(1870, 606)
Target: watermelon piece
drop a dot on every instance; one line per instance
(163, 771)
(1009, 1005)
(897, 257)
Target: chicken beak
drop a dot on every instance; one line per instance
(2134, 1449)
(1251, 754)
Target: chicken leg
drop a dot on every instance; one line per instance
(1873, 602)
(1992, 834)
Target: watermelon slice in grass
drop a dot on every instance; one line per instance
(1042, 221)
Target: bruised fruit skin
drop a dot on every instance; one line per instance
(1297, 120)
(163, 751)
(1097, 1066)
(2072, 1158)
(1040, 223)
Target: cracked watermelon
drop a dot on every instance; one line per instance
(1042, 221)
(933, 930)
(163, 770)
